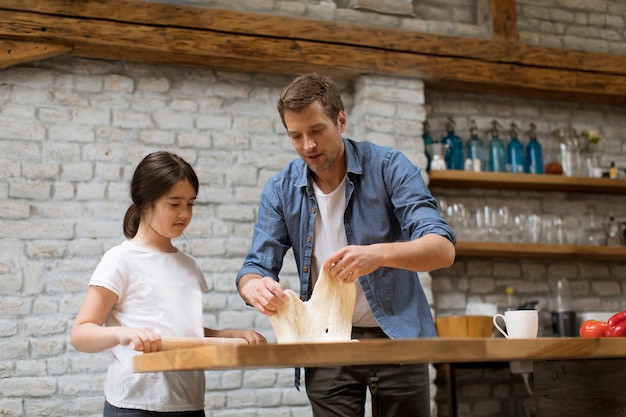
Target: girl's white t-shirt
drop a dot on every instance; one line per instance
(162, 291)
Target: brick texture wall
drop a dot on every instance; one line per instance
(72, 133)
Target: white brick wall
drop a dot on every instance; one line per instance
(66, 191)
(594, 25)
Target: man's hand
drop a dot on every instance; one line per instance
(428, 253)
(351, 262)
(263, 293)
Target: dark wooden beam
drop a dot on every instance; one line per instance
(19, 52)
(504, 20)
(154, 32)
(295, 28)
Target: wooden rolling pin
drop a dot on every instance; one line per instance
(173, 343)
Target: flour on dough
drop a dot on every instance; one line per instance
(325, 317)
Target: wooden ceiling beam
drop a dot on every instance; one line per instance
(153, 32)
(20, 52)
(504, 20)
(297, 28)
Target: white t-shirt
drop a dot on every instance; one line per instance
(162, 291)
(330, 236)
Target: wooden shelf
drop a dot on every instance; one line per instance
(509, 181)
(537, 182)
(531, 250)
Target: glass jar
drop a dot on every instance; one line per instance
(567, 151)
(593, 233)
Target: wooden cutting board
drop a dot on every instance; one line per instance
(379, 351)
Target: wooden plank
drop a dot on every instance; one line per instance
(143, 31)
(504, 20)
(581, 388)
(379, 351)
(533, 250)
(106, 39)
(516, 181)
(239, 22)
(19, 52)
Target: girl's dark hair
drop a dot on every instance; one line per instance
(306, 89)
(153, 177)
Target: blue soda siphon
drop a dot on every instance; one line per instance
(475, 149)
(514, 152)
(454, 154)
(428, 140)
(534, 157)
(496, 150)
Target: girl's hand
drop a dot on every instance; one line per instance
(140, 339)
(253, 337)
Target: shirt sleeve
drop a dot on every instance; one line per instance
(270, 240)
(109, 273)
(414, 205)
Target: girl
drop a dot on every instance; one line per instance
(144, 289)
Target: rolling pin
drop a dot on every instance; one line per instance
(173, 343)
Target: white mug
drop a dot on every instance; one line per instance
(520, 324)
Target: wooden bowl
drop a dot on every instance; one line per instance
(464, 326)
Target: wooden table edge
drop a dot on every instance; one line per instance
(379, 351)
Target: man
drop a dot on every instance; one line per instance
(361, 212)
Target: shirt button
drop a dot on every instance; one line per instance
(313, 210)
(302, 297)
(305, 269)
(309, 238)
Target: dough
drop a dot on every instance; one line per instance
(325, 317)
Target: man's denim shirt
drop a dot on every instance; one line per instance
(386, 201)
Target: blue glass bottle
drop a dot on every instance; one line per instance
(496, 150)
(454, 155)
(475, 149)
(514, 153)
(534, 157)
(428, 140)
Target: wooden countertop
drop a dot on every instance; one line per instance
(379, 351)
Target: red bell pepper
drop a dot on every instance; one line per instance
(616, 325)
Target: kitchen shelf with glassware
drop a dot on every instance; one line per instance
(572, 166)
(492, 244)
(499, 231)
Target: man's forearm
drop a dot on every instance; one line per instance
(246, 278)
(425, 254)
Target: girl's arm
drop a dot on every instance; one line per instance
(250, 335)
(89, 335)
